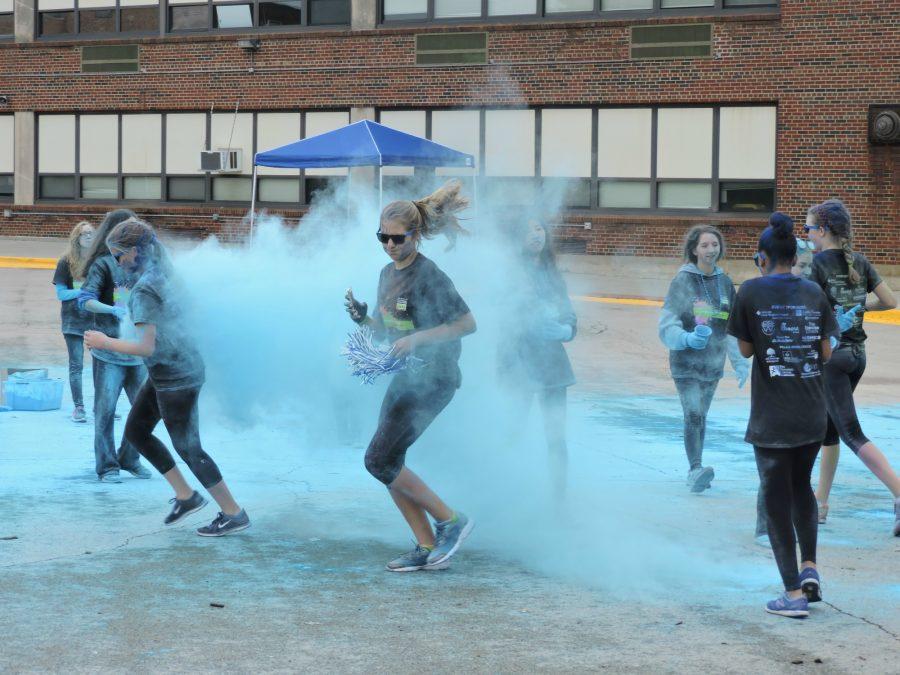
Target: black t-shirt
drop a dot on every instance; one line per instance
(416, 298)
(829, 270)
(785, 318)
(106, 282)
(74, 320)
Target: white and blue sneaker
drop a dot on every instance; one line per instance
(811, 584)
(448, 537)
(785, 606)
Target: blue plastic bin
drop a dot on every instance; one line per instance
(34, 394)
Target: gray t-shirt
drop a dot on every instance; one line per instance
(74, 320)
(176, 363)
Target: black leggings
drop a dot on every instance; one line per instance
(696, 397)
(842, 373)
(790, 505)
(180, 413)
(407, 410)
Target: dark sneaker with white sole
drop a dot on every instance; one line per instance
(184, 507)
(785, 606)
(139, 471)
(811, 584)
(699, 479)
(223, 525)
(415, 560)
(448, 537)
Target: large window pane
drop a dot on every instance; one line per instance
(511, 7)
(273, 189)
(7, 143)
(272, 131)
(230, 132)
(320, 187)
(99, 187)
(747, 142)
(329, 12)
(456, 9)
(684, 195)
(556, 6)
(612, 5)
(745, 3)
(99, 144)
(231, 189)
(567, 192)
(684, 143)
(460, 130)
(669, 4)
(142, 187)
(6, 186)
(509, 143)
(624, 142)
(735, 196)
(624, 194)
(139, 19)
(141, 144)
(566, 142)
(191, 17)
(57, 187)
(185, 139)
(56, 144)
(284, 13)
(186, 188)
(57, 23)
(232, 16)
(400, 7)
(7, 24)
(97, 21)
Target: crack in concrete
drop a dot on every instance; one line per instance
(864, 620)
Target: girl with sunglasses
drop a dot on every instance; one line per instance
(104, 284)
(176, 374)
(692, 325)
(847, 278)
(785, 323)
(420, 311)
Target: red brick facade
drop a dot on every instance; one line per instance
(823, 63)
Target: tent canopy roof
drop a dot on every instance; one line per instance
(363, 143)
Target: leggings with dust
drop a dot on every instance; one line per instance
(841, 374)
(696, 397)
(180, 413)
(790, 505)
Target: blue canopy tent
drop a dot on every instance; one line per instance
(363, 143)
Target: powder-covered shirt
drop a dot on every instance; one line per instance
(829, 270)
(175, 363)
(74, 321)
(785, 318)
(106, 282)
(417, 298)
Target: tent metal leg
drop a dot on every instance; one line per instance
(252, 202)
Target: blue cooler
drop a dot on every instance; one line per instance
(29, 393)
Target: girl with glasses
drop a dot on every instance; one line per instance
(692, 326)
(421, 313)
(847, 278)
(176, 374)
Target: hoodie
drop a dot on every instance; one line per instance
(695, 298)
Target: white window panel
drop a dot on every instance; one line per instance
(669, 4)
(456, 9)
(747, 142)
(272, 131)
(186, 2)
(684, 143)
(55, 5)
(610, 5)
(320, 123)
(99, 143)
(141, 144)
(56, 144)
(94, 4)
(137, 3)
(185, 139)
(566, 143)
(624, 142)
(672, 195)
(407, 121)
(511, 7)
(556, 6)
(7, 143)
(459, 130)
(400, 7)
(509, 143)
(240, 138)
(6, 6)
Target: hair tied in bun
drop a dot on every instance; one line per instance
(782, 224)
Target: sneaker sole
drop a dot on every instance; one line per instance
(425, 568)
(186, 514)
(139, 476)
(789, 613)
(703, 481)
(811, 590)
(462, 537)
(231, 530)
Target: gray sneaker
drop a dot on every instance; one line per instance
(415, 560)
(897, 517)
(699, 479)
(223, 525)
(448, 537)
(184, 507)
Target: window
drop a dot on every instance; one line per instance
(511, 7)
(56, 17)
(185, 139)
(284, 13)
(110, 59)
(410, 122)
(396, 9)
(568, 6)
(747, 151)
(671, 42)
(7, 156)
(684, 157)
(440, 49)
(98, 151)
(624, 157)
(272, 131)
(141, 156)
(56, 156)
(230, 132)
(7, 26)
(321, 180)
(566, 154)
(97, 17)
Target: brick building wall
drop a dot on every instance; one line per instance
(823, 63)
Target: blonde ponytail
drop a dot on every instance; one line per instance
(431, 215)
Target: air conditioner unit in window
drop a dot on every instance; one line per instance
(222, 160)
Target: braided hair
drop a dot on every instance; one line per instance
(832, 216)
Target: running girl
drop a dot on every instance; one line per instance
(67, 280)
(420, 311)
(692, 325)
(847, 278)
(176, 374)
(103, 280)
(532, 359)
(785, 322)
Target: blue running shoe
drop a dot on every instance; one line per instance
(448, 537)
(810, 584)
(785, 606)
(415, 560)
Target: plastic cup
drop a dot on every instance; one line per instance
(703, 330)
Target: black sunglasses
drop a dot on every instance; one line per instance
(398, 239)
